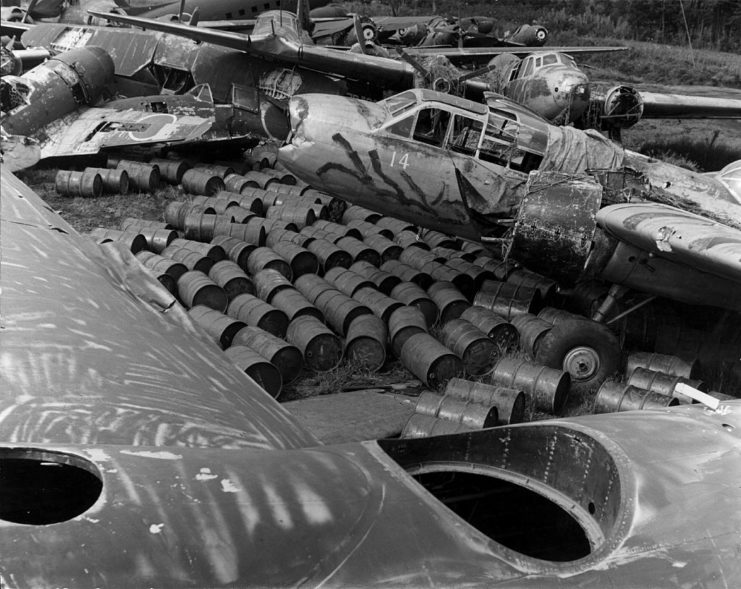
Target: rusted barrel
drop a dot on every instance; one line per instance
(425, 426)
(321, 348)
(659, 382)
(176, 211)
(408, 273)
(346, 280)
(500, 268)
(262, 179)
(213, 251)
(158, 239)
(365, 342)
(219, 203)
(195, 288)
(263, 156)
(339, 310)
(531, 329)
(449, 254)
(278, 235)
(252, 232)
(476, 273)
(496, 327)
(358, 213)
(136, 242)
(300, 216)
(510, 403)
(171, 170)
(220, 327)
(617, 396)
(661, 363)
(256, 312)
(474, 348)
(293, 192)
(409, 239)
(384, 281)
(229, 276)
(386, 249)
(201, 226)
(395, 225)
(449, 300)
(507, 299)
(379, 303)
(282, 176)
(257, 368)
(214, 170)
(545, 286)
(437, 239)
(239, 214)
(251, 203)
(268, 282)
(192, 260)
(368, 229)
(472, 247)
(329, 255)
(468, 413)
(162, 265)
(237, 251)
(85, 184)
(294, 304)
(403, 323)
(201, 182)
(268, 197)
(413, 295)
(430, 361)
(237, 182)
(263, 258)
(341, 230)
(442, 273)
(301, 260)
(316, 233)
(416, 257)
(547, 387)
(142, 177)
(284, 356)
(115, 180)
(311, 286)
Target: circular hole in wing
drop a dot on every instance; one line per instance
(39, 487)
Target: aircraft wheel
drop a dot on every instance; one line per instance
(587, 350)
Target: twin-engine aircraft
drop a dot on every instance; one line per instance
(133, 454)
(564, 202)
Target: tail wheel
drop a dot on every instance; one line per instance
(587, 350)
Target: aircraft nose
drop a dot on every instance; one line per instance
(572, 94)
(298, 110)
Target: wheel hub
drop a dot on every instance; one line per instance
(581, 363)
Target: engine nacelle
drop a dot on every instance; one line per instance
(556, 223)
(623, 107)
(528, 35)
(53, 89)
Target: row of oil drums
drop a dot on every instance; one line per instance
(407, 311)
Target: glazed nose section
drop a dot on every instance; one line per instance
(572, 94)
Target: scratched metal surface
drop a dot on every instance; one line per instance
(92, 349)
(677, 235)
(668, 514)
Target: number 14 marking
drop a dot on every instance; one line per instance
(403, 161)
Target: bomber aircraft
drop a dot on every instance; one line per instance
(567, 203)
(133, 454)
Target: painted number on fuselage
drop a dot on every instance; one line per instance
(403, 161)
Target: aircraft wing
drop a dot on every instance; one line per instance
(483, 52)
(677, 235)
(94, 350)
(680, 106)
(380, 70)
(91, 130)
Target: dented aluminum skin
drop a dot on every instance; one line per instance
(368, 154)
(185, 473)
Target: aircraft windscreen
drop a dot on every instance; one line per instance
(567, 60)
(267, 21)
(550, 59)
(400, 102)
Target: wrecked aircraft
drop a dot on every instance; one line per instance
(134, 454)
(565, 203)
(51, 106)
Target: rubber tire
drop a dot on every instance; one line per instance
(568, 335)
